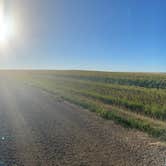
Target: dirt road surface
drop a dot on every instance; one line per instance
(37, 129)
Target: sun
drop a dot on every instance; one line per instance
(5, 30)
(6, 24)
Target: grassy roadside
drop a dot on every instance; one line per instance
(153, 127)
(124, 105)
(150, 103)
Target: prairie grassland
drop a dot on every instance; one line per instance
(135, 100)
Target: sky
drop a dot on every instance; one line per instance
(110, 35)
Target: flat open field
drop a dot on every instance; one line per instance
(41, 126)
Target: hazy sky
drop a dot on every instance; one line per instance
(118, 35)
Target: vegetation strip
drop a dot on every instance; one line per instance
(131, 106)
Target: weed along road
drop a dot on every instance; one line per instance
(39, 129)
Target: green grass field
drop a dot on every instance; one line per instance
(135, 100)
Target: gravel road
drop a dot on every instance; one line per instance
(38, 129)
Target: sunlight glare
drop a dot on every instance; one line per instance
(5, 31)
(6, 27)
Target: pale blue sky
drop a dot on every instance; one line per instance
(117, 35)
